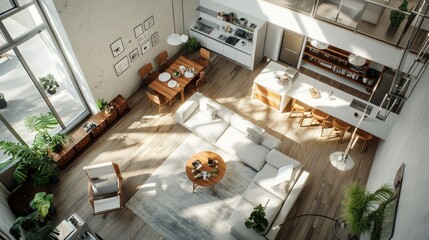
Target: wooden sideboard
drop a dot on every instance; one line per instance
(82, 139)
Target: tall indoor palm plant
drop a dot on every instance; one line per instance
(362, 210)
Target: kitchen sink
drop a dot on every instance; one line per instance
(203, 28)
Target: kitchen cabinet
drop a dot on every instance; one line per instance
(229, 52)
(201, 38)
(215, 46)
(243, 58)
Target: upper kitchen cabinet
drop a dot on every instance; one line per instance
(230, 33)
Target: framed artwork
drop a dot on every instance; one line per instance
(138, 30)
(117, 47)
(143, 38)
(145, 47)
(121, 66)
(134, 55)
(155, 39)
(149, 23)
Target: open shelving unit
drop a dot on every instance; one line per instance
(336, 61)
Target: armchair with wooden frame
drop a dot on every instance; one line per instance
(158, 100)
(204, 59)
(147, 74)
(195, 84)
(104, 187)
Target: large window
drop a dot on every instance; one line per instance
(29, 52)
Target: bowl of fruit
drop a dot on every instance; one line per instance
(176, 73)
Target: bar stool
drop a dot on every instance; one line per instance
(339, 126)
(300, 107)
(320, 117)
(362, 135)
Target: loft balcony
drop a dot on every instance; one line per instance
(370, 18)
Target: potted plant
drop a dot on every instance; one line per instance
(34, 223)
(257, 220)
(192, 44)
(362, 209)
(103, 105)
(3, 103)
(41, 124)
(49, 83)
(396, 17)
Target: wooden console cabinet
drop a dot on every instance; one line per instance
(82, 139)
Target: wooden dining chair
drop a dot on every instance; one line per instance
(195, 84)
(162, 61)
(339, 127)
(158, 100)
(299, 107)
(365, 137)
(147, 74)
(204, 58)
(321, 119)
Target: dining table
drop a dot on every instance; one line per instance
(166, 88)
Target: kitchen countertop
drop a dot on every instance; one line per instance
(339, 106)
(267, 78)
(215, 33)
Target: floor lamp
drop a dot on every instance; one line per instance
(176, 39)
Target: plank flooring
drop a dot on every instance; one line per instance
(142, 140)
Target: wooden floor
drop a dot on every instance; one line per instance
(142, 140)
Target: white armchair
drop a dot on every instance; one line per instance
(105, 187)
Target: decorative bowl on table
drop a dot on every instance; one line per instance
(176, 73)
(189, 74)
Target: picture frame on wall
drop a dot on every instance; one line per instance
(121, 66)
(149, 23)
(138, 30)
(134, 55)
(143, 38)
(117, 47)
(155, 39)
(145, 47)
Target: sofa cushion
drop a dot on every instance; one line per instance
(188, 108)
(237, 218)
(254, 135)
(267, 175)
(221, 111)
(283, 174)
(234, 142)
(211, 130)
(270, 141)
(278, 159)
(257, 195)
(104, 186)
(241, 124)
(210, 113)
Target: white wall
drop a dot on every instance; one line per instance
(92, 26)
(408, 143)
(323, 31)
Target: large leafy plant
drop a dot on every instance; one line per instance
(257, 220)
(41, 124)
(42, 203)
(363, 211)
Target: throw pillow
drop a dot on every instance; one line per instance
(284, 174)
(254, 135)
(210, 112)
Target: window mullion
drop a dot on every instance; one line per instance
(10, 128)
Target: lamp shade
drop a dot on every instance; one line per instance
(318, 44)
(184, 38)
(174, 39)
(356, 59)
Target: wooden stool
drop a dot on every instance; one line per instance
(320, 117)
(339, 126)
(366, 137)
(300, 107)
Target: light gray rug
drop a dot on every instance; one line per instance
(166, 203)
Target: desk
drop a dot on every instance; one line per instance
(339, 107)
(169, 93)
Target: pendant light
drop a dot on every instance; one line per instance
(356, 59)
(176, 39)
(318, 44)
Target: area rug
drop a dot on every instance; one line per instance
(166, 202)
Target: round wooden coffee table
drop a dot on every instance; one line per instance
(214, 178)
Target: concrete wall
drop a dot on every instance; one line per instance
(408, 143)
(92, 26)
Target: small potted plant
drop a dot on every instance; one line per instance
(192, 44)
(396, 18)
(49, 83)
(3, 103)
(257, 220)
(104, 106)
(42, 202)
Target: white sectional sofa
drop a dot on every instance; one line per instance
(256, 148)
